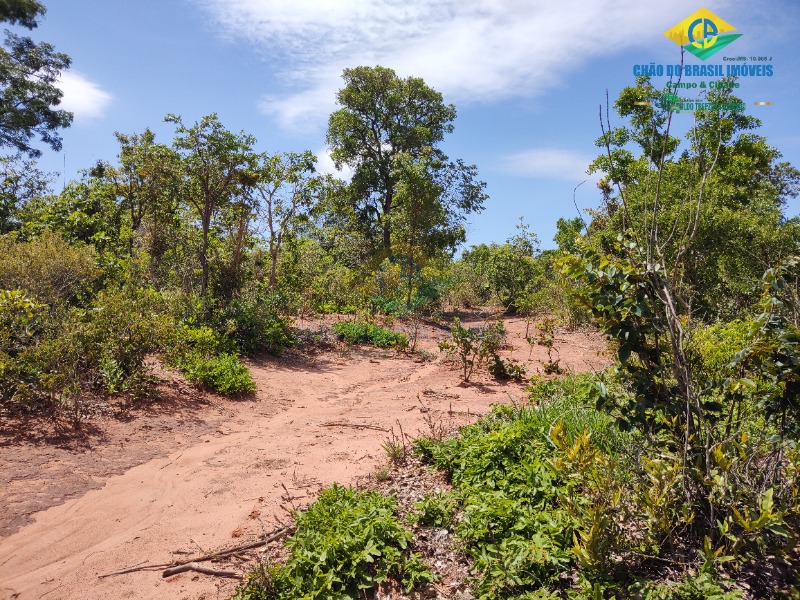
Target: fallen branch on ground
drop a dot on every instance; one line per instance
(355, 425)
(271, 537)
(195, 566)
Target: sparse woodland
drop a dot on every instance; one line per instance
(673, 474)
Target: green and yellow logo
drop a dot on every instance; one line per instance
(702, 33)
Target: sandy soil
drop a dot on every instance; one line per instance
(194, 473)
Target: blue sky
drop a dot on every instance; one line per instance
(527, 78)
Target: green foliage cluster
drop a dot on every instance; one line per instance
(555, 501)
(517, 277)
(360, 332)
(48, 268)
(223, 373)
(346, 544)
(55, 358)
(436, 509)
(474, 346)
(252, 321)
(29, 94)
(209, 359)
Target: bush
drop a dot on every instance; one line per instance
(346, 544)
(47, 268)
(223, 373)
(207, 358)
(254, 323)
(54, 358)
(356, 332)
(436, 509)
(473, 346)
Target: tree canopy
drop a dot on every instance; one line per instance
(387, 130)
(29, 98)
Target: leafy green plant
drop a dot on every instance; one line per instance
(546, 338)
(254, 323)
(223, 373)
(506, 369)
(436, 509)
(207, 358)
(48, 268)
(346, 544)
(359, 332)
(473, 346)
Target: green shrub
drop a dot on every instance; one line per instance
(207, 358)
(700, 587)
(357, 332)
(506, 369)
(474, 346)
(21, 319)
(203, 341)
(223, 373)
(124, 326)
(48, 268)
(346, 543)
(52, 359)
(255, 324)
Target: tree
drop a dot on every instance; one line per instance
(146, 184)
(731, 230)
(216, 165)
(383, 118)
(28, 94)
(432, 200)
(712, 206)
(286, 187)
(20, 181)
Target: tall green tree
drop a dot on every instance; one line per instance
(29, 98)
(385, 120)
(286, 188)
(712, 205)
(20, 181)
(216, 165)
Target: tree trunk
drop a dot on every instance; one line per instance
(204, 249)
(387, 229)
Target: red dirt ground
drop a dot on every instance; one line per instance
(193, 472)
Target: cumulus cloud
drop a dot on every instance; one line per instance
(551, 163)
(84, 98)
(326, 166)
(471, 50)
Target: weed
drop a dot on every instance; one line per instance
(506, 369)
(346, 543)
(394, 450)
(436, 509)
(473, 346)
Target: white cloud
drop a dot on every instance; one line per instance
(549, 163)
(326, 166)
(471, 50)
(84, 98)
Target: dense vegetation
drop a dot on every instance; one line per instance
(674, 474)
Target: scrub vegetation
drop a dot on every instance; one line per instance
(672, 474)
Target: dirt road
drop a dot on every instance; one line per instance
(195, 473)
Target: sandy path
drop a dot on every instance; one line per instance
(219, 477)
